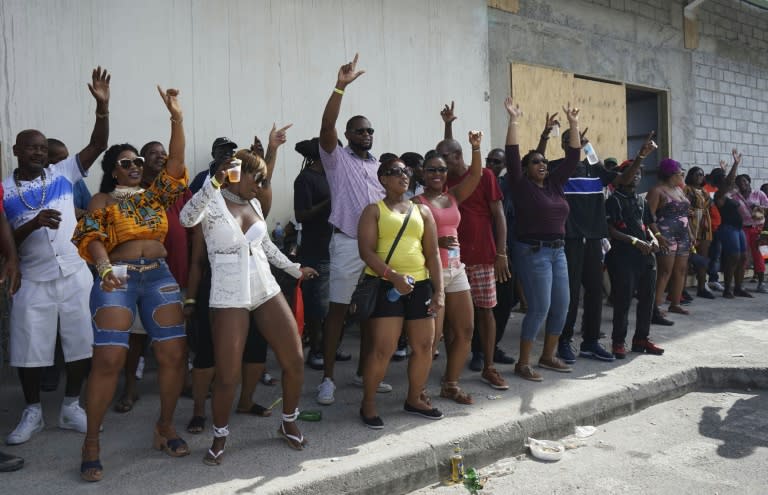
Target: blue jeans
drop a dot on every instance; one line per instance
(149, 290)
(715, 253)
(543, 273)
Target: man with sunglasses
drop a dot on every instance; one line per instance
(39, 206)
(352, 179)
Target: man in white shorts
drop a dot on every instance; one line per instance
(353, 182)
(56, 282)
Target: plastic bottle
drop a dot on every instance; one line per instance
(453, 253)
(589, 150)
(279, 235)
(393, 294)
(457, 465)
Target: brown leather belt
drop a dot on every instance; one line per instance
(141, 268)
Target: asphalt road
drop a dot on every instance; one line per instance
(709, 442)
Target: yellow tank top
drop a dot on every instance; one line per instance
(408, 257)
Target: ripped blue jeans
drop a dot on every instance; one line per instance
(148, 290)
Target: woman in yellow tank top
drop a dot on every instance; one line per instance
(415, 272)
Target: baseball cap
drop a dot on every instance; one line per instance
(223, 141)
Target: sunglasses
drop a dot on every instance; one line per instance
(364, 130)
(436, 170)
(397, 171)
(540, 160)
(126, 163)
(492, 160)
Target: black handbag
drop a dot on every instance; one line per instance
(363, 300)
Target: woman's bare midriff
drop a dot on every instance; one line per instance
(132, 250)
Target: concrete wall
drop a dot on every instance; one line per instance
(242, 65)
(717, 93)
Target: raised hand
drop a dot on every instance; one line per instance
(550, 122)
(723, 164)
(170, 98)
(348, 73)
(447, 113)
(513, 109)
(573, 116)
(649, 146)
(277, 137)
(475, 137)
(736, 156)
(99, 85)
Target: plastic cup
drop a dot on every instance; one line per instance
(555, 131)
(121, 272)
(233, 174)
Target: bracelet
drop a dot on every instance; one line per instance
(189, 301)
(338, 91)
(513, 122)
(105, 272)
(500, 255)
(103, 267)
(642, 157)
(475, 150)
(634, 241)
(102, 115)
(175, 121)
(215, 183)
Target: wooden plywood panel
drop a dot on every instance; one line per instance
(603, 109)
(539, 90)
(512, 6)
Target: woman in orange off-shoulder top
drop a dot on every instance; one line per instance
(122, 236)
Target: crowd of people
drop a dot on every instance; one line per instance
(439, 249)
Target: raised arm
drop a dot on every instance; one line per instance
(277, 138)
(175, 165)
(562, 173)
(465, 188)
(347, 74)
(729, 179)
(448, 117)
(628, 174)
(550, 122)
(514, 167)
(99, 88)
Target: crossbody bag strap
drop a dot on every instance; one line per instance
(399, 234)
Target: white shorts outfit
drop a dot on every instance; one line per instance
(346, 267)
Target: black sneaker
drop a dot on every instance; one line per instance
(476, 364)
(502, 357)
(10, 462)
(374, 423)
(705, 294)
(595, 351)
(657, 319)
(433, 413)
(565, 352)
(343, 356)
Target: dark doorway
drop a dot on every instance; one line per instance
(647, 111)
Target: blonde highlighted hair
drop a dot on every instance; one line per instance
(252, 163)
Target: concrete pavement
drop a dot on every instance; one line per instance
(722, 343)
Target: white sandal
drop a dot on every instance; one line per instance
(211, 458)
(296, 443)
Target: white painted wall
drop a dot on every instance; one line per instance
(241, 65)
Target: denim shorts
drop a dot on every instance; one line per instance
(732, 239)
(146, 291)
(316, 291)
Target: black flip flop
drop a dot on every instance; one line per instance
(256, 410)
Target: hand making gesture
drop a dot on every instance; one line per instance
(170, 98)
(99, 85)
(348, 73)
(277, 137)
(447, 113)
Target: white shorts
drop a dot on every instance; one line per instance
(346, 267)
(455, 279)
(36, 309)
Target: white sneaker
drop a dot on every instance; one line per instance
(325, 392)
(140, 368)
(761, 288)
(72, 417)
(31, 422)
(716, 286)
(383, 388)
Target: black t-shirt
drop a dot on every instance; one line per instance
(309, 189)
(584, 193)
(629, 214)
(729, 213)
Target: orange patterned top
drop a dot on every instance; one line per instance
(139, 217)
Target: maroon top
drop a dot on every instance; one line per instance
(540, 211)
(177, 241)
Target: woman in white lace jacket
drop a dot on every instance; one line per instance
(243, 287)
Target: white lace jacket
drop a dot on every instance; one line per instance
(229, 251)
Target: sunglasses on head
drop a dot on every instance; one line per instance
(364, 130)
(436, 170)
(397, 171)
(126, 163)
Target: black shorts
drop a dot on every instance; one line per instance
(412, 306)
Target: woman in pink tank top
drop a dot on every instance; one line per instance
(458, 301)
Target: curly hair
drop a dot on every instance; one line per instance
(108, 164)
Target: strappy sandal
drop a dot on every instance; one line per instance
(451, 390)
(256, 410)
(296, 443)
(124, 404)
(211, 458)
(174, 447)
(91, 471)
(678, 309)
(196, 425)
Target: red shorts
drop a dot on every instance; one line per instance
(753, 245)
(482, 284)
